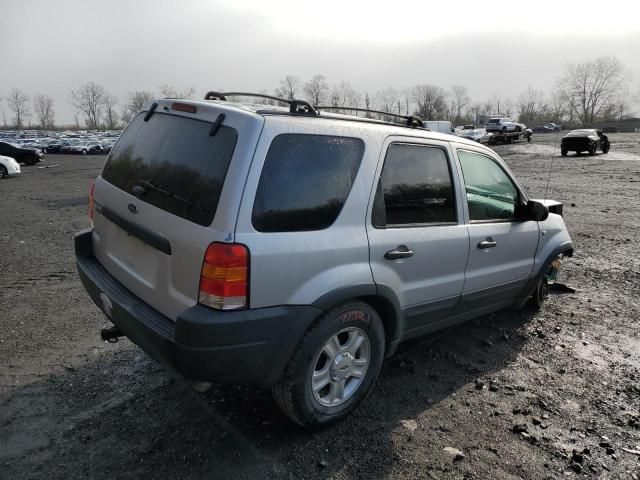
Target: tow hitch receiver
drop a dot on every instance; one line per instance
(111, 334)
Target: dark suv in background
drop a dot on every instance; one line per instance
(584, 140)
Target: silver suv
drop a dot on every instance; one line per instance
(296, 248)
(504, 125)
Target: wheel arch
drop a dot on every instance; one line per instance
(380, 298)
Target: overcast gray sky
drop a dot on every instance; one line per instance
(54, 46)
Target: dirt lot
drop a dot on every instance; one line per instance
(74, 407)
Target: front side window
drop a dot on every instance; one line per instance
(491, 195)
(415, 188)
(305, 182)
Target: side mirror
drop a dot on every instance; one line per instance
(535, 211)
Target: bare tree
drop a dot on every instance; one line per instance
(344, 95)
(619, 108)
(110, 115)
(169, 91)
(134, 102)
(317, 89)
(387, 99)
(531, 105)
(18, 103)
(460, 101)
(431, 101)
(558, 107)
(43, 106)
(89, 100)
(589, 86)
(289, 87)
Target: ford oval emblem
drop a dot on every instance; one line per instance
(133, 208)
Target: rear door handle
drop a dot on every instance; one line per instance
(401, 251)
(488, 243)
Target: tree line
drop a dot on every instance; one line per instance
(585, 93)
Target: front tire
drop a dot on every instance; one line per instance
(84, 152)
(3, 172)
(334, 367)
(605, 148)
(540, 294)
(564, 152)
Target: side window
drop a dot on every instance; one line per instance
(491, 195)
(305, 181)
(415, 188)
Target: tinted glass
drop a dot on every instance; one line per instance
(415, 187)
(491, 195)
(305, 181)
(180, 166)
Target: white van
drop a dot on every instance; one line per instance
(441, 126)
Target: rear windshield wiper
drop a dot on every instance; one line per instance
(147, 184)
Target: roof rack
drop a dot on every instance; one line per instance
(295, 106)
(411, 120)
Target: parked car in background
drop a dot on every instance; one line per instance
(442, 126)
(479, 135)
(584, 140)
(107, 145)
(8, 167)
(503, 125)
(543, 129)
(85, 148)
(554, 126)
(28, 156)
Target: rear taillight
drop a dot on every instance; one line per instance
(91, 202)
(224, 280)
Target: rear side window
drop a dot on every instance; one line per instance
(180, 167)
(415, 188)
(305, 181)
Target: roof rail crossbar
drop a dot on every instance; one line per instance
(411, 120)
(295, 106)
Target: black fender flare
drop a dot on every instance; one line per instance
(380, 297)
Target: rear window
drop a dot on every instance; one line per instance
(178, 164)
(305, 181)
(494, 120)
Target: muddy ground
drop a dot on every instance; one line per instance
(74, 407)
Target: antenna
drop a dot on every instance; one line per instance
(553, 155)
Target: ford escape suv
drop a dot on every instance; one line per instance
(296, 248)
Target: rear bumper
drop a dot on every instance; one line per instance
(246, 346)
(577, 146)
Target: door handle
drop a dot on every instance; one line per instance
(401, 251)
(488, 243)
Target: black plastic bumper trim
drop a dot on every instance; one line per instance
(245, 346)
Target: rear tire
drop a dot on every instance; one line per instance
(3, 172)
(334, 366)
(504, 130)
(84, 152)
(564, 152)
(605, 148)
(592, 151)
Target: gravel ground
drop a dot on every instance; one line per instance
(534, 395)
